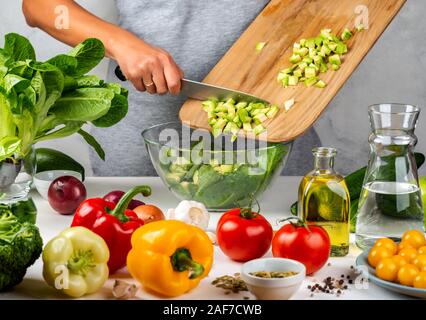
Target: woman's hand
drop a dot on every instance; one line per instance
(149, 68)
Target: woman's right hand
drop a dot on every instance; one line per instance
(149, 68)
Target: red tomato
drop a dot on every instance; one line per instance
(243, 235)
(310, 247)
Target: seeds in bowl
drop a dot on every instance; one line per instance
(230, 283)
(273, 274)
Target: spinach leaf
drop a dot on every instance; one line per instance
(12, 81)
(20, 68)
(68, 129)
(67, 64)
(18, 47)
(91, 81)
(118, 111)
(88, 54)
(84, 104)
(92, 142)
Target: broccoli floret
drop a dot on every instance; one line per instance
(20, 247)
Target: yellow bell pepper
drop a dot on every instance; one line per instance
(75, 262)
(170, 257)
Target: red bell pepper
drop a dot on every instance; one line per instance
(114, 223)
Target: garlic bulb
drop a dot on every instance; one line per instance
(190, 212)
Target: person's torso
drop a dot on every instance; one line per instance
(197, 33)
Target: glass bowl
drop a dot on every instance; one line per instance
(215, 171)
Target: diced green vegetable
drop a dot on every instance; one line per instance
(272, 112)
(335, 59)
(320, 84)
(310, 72)
(313, 56)
(293, 80)
(295, 58)
(341, 48)
(247, 127)
(231, 116)
(241, 105)
(310, 43)
(346, 34)
(244, 116)
(335, 67)
(298, 73)
(360, 27)
(259, 118)
(258, 129)
(323, 68)
(311, 81)
(260, 46)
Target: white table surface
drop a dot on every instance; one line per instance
(275, 205)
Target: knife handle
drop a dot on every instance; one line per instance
(119, 74)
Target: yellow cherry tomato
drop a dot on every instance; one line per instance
(407, 274)
(420, 262)
(378, 253)
(400, 261)
(420, 280)
(404, 245)
(387, 269)
(408, 253)
(414, 237)
(422, 250)
(388, 244)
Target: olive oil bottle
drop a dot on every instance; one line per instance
(324, 200)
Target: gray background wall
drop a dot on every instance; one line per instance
(393, 71)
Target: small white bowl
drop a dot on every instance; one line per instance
(42, 180)
(273, 288)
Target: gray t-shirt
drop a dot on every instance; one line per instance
(197, 33)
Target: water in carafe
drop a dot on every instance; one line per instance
(390, 201)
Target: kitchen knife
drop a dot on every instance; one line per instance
(203, 91)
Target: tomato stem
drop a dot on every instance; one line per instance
(299, 222)
(247, 212)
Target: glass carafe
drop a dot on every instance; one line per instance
(390, 201)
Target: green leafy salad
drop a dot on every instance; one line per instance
(227, 179)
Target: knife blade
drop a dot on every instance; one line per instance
(204, 91)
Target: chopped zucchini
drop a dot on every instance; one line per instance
(315, 55)
(260, 46)
(320, 84)
(346, 34)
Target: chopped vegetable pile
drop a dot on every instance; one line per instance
(230, 116)
(314, 56)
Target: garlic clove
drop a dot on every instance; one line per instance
(124, 290)
(212, 236)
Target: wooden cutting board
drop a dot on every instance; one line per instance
(280, 25)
